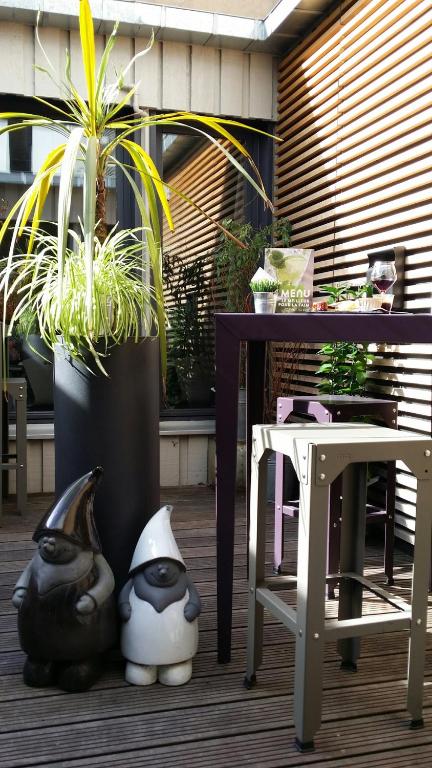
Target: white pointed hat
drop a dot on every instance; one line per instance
(157, 540)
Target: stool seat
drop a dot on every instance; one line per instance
(327, 409)
(315, 405)
(319, 454)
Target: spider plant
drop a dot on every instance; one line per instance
(93, 126)
(122, 308)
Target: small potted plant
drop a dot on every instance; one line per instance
(264, 289)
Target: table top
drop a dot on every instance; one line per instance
(325, 326)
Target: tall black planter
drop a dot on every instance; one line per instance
(112, 422)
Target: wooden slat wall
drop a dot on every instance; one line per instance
(354, 174)
(173, 75)
(214, 184)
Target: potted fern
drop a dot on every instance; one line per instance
(93, 306)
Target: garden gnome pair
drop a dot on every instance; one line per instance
(65, 596)
(159, 606)
(66, 608)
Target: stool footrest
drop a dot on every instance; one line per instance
(335, 629)
(338, 629)
(286, 581)
(10, 466)
(375, 513)
(291, 509)
(277, 607)
(400, 605)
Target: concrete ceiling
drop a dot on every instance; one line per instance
(295, 26)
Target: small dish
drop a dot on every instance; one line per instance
(368, 303)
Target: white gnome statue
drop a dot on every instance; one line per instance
(159, 607)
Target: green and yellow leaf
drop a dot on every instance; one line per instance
(88, 56)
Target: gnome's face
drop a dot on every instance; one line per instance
(54, 548)
(162, 572)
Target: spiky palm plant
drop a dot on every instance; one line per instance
(84, 122)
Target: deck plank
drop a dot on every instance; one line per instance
(213, 721)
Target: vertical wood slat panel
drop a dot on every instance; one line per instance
(16, 59)
(175, 76)
(355, 172)
(234, 76)
(205, 79)
(172, 75)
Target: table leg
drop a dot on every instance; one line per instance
(227, 382)
(257, 541)
(255, 379)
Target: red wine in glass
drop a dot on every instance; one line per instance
(383, 276)
(383, 284)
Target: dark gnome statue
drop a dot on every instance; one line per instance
(66, 607)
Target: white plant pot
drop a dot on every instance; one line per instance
(265, 303)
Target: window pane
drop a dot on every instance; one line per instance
(20, 143)
(202, 172)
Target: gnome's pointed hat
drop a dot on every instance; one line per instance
(157, 540)
(72, 514)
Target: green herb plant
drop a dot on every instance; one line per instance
(344, 291)
(264, 286)
(344, 369)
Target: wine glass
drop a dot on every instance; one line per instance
(383, 276)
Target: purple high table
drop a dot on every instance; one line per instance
(256, 330)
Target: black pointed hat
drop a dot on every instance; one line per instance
(72, 514)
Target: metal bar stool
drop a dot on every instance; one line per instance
(327, 410)
(17, 389)
(319, 454)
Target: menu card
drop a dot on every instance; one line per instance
(293, 269)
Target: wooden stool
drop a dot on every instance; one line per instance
(326, 410)
(319, 454)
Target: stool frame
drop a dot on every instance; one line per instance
(328, 409)
(318, 456)
(17, 389)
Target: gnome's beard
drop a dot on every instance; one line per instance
(49, 575)
(160, 597)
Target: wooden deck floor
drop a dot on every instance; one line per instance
(213, 721)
